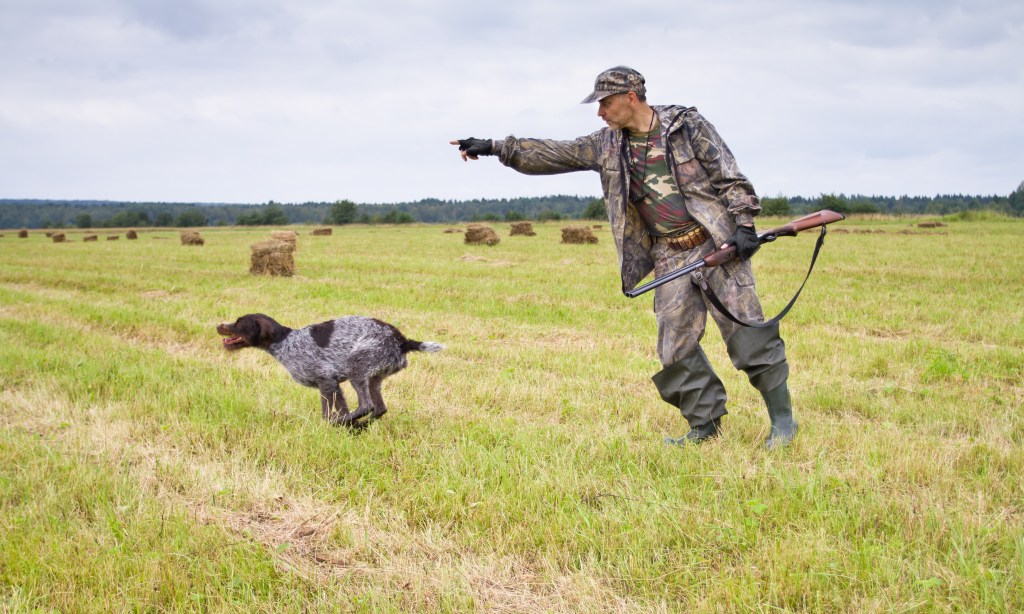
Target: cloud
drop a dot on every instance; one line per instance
(317, 100)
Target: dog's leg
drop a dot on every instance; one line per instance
(332, 403)
(362, 388)
(379, 408)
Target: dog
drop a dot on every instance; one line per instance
(361, 350)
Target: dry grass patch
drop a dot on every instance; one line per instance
(286, 236)
(481, 235)
(578, 235)
(321, 542)
(191, 237)
(524, 229)
(273, 257)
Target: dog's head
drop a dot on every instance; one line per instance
(252, 330)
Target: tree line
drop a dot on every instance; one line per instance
(16, 213)
(30, 213)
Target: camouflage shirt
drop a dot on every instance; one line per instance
(716, 194)
(652, 189)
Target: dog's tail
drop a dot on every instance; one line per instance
(420, 346)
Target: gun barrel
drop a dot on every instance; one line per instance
(635, 292)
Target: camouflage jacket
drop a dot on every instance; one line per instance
(717, 194)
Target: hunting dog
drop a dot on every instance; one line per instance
(361, 350)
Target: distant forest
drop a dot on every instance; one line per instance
(38, 213)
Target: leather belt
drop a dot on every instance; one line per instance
(687, 240)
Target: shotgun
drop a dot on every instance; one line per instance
(725, 254)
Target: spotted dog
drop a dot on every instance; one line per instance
(361, 350)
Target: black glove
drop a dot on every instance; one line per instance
(746, 241)
(476, 147)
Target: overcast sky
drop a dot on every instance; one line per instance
(247, 101)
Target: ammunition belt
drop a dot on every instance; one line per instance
(688, 239)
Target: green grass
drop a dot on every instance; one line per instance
(522, 469)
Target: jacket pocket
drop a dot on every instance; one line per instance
(739, 273)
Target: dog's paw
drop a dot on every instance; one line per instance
(356, 426)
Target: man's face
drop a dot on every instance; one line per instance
(615, 110)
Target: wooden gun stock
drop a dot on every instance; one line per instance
(725, 254)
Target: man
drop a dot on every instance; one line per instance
(674, 194)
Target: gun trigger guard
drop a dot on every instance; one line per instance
(698, 278)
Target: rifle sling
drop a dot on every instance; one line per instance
(709, 293)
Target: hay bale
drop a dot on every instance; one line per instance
(272, 257)
(58, 237)
(113, 237)
(131, 234)
(522, 229)
(577, 235)
(931, 225)
(191, 237)
(481, 235)
(89, 238)
(287, 236)
(23, 233)
(452, 230)
(323, 232)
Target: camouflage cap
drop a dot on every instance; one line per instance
(617, 80)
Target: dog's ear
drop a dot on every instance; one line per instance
(266, 328)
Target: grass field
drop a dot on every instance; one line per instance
(522, 469)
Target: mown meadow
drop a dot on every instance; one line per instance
(523, 469)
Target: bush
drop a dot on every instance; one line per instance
(596, 210)
(124, 219)
(395, 217)
(190, 218)
(776, 206)
(342, 212)
(271, 215)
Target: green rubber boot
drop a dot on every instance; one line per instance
(780, 411)
(698, 434)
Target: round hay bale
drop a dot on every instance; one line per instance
(23, 233)
(481, 235)
(577, 235)
(131, 234)
(287, 236)
(524, 229)
(323, 232)
(58, 237)
(113, 237)
(89, 238)
(191, 237)
(272, 257)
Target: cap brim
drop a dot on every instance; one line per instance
(596, 96)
